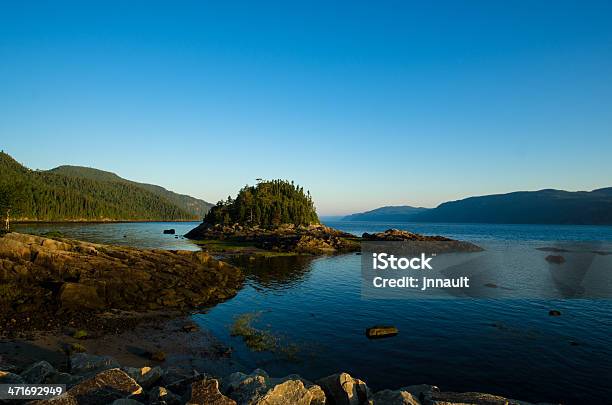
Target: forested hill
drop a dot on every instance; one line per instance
(83, 194)
(269, 204)
(192, 205)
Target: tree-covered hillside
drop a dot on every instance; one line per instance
(198, 208)
(54, 196)
(269, 203)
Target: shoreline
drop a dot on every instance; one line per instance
(110, 221)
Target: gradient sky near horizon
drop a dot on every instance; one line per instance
(363, 103)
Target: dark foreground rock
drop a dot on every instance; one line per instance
(44, 280)
(313, 239)
(125, 386)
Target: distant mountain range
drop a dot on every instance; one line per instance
(521, 207)
(74, 193)
(402, 213)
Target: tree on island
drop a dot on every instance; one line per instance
(11, 196)
(268, 204)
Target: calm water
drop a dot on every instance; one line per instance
(506, 346)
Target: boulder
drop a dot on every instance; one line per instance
(554, 312)
(259, 388)
(422, 392)
(7, 377)
(105, 387)
(83, 363)
(450, 398)
(147, 377)
(162, 395)
(376, 332)
(79, 296)
(397, 397)
(343, 389)
(206, 392)
(169, 231)
(37, 373)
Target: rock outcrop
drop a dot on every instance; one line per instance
(45, 278)
(439, 244)
(312, 239)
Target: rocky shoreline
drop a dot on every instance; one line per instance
(101, 380)
(47, 283)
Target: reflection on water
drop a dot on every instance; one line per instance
(275, 272)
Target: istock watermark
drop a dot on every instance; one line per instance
(525, 269)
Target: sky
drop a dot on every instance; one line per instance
(364, 103)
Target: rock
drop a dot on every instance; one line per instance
(450, 398)
(82, 363)
(37, 373)
(79, 296)
(169, 231)
(422, 392)
(381, 331)
(345, 390)
(63, 378)
(206, 392)
(64, 399)
(77, 348)
(554, 312)
(397, 397)
(555, 259)
(161, 395)
(81, 278)
(10, 378)
(105, 387)
(441, 244)
(258, 388)
(147, 377)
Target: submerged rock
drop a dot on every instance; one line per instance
(82, 363)
(38, 372)
(169, 231)
(555, 259)
(376, 332)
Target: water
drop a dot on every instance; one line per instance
(510, 347)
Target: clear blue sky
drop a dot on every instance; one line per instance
(364, 103)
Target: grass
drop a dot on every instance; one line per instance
(259, 340)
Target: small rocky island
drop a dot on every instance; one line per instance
(278, 216)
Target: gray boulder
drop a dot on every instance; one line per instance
(147, 377)
(37, 373)
(206, 392)
(10, 378)
(343, 389)
(397, 397)
(258, 388)
(162, 395)
(83, 363)
(450, 398)
(105, 387)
